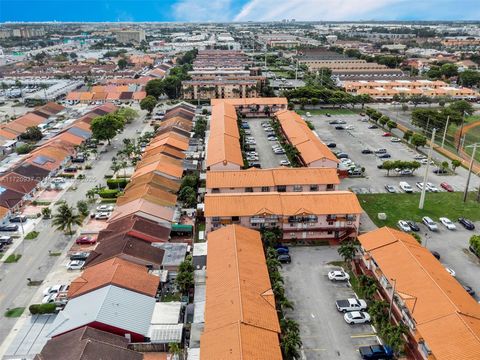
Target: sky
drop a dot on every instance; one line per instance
(236, 10)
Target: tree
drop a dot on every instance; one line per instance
(449, 70)
(175, 350)
(469, 78)
(184, 279)
(82, 207)
(418, 140)
(46, 213)
(391, 124)
(91, 194)
(388, 165)
(462, 107)
(148, 103)
(407, 135)
(106, 127)
(456, 163)
(122, 63)
(66, 218)
(127, 113)
(155, 88)
(444, 165)
(33, 133)
(347, 250)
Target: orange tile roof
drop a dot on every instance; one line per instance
(143, 206)
(30, 119)
(118, 272)
(99, 96)
(73, 96)
(70, 138)
(155, 179)
(241, 321)
(7, 134)
(113, 95)
(86, 96)
(286, 204)
(150, 193)
(224, 121)
(170, 138)
(170, 169)
(271, 177)
(3, 212)
(252, 101)
(167, 150)
(224, 149)
(177, 121)
(139, 95)
(15, 127)
(446, 316)
(299, 134)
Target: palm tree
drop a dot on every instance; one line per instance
(273, 264)
(65, 218)
(288, 325)
(290, 344)
(91, 194)
(175, 350)
(284, 304)
(347, 250)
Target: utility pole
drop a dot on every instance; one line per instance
(465, 193)
(445, 131)
(425, 176)
(461, 132)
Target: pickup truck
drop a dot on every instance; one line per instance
(351, 305)
(376, 352)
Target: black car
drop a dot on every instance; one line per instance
(440, 171)
(9, 228)
(6, 240)
(413, 225)
(467, 224)
(18, 219)
(78, 160)
(340, 127)
(342, 155)
(373, 127)
(327, 115)
(367, 151)
(469, 290)
(70, 169)
(79, 256)
(331, 145)
(384, 156)
(435, 254)
(376, 352)
(333, 122)
(285, 258)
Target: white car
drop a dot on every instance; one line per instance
(352, 304)
(285, 163)
(420, 186)
(105, 208)
(451, 271)
(425, 162)
(357, 317)
(55, 289)
(75, 265)
(403, 225)
(104, 215)
(349, 127)
(47, 299)
(429, 223)
(58, 180)
(448, 223)
(395, 140)
(420, 157)
(432, 187)
(338, 275)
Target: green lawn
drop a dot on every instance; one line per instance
(15, 312)
(405, 206)
(330, 111)
(13, 258)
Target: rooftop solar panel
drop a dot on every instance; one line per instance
(41, 160)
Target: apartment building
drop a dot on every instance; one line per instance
(386, 90)
(255, 107)
(130, 36)
(282, 179)
(325, 215)
(313, 153)
(442, 318)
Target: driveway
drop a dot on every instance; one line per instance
(324, 333)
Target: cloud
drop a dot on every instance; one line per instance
(202, 10)
(318, 10)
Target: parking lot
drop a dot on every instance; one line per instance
(360, 137)
(267, 158)
(453, 249)
(324, 332)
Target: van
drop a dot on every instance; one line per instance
(405, 187)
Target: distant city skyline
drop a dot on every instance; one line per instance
(236, 10)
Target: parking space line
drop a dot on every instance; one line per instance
(363, 335)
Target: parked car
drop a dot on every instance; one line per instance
(467, 224)
(352, 304)
(381, 151)
(451, 271)
(469, 290)
(448, 223)
(327, 115)
(58, 180)
(429, 223)
(104, 215)
(367, 151)
(285, 163)
(5, 240)
(403, 225)
(440, 171)
(331, 145)
(50, 298)
(9, 228)
(405, 172)
(85, 240)
(376, 352)
(405, 186)
(431, 187)
(373, 127)
(18, 219)
(55, 289)
(339, 127)
(435, 254)
(282, 250)
(387, 134)
(75, 265)
(333, 122)
(70, 169)
(390, 188)
(105, 208)
(395, 140)
(446, 186)
(356, 317)
(384, 156)
(413, 225)
(83, 255)
(284, 258)
(338, 275)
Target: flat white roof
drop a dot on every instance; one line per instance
(165, 334)
(166, 312)
(200, 249)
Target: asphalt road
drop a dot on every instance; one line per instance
(36, 262)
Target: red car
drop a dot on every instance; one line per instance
(447, 186)
(85, 240)
(387, 134)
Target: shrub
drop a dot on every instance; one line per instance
(24, 149)
(31, 235)
(108, 176)
(67, 176)
(34, 309)
(108, 193)
(475, 243)
(42, 308)
(117, 183)
(88, 167)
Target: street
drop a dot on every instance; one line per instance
(36, 262)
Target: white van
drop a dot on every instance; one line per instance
(405, 187)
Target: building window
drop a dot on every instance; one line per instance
(235, 218)
(249, 189)
(330, 187)
(215, 190)
(330, 232)
(330, 223)
(351, 217)
(313, 187)
(265, 189)
(215, 219)
(297, 188)
(281, 188)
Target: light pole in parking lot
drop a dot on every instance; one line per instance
(465, 192)
(425, 176)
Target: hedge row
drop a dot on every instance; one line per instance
(42, 308)
(108, 193)
(117, 183)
